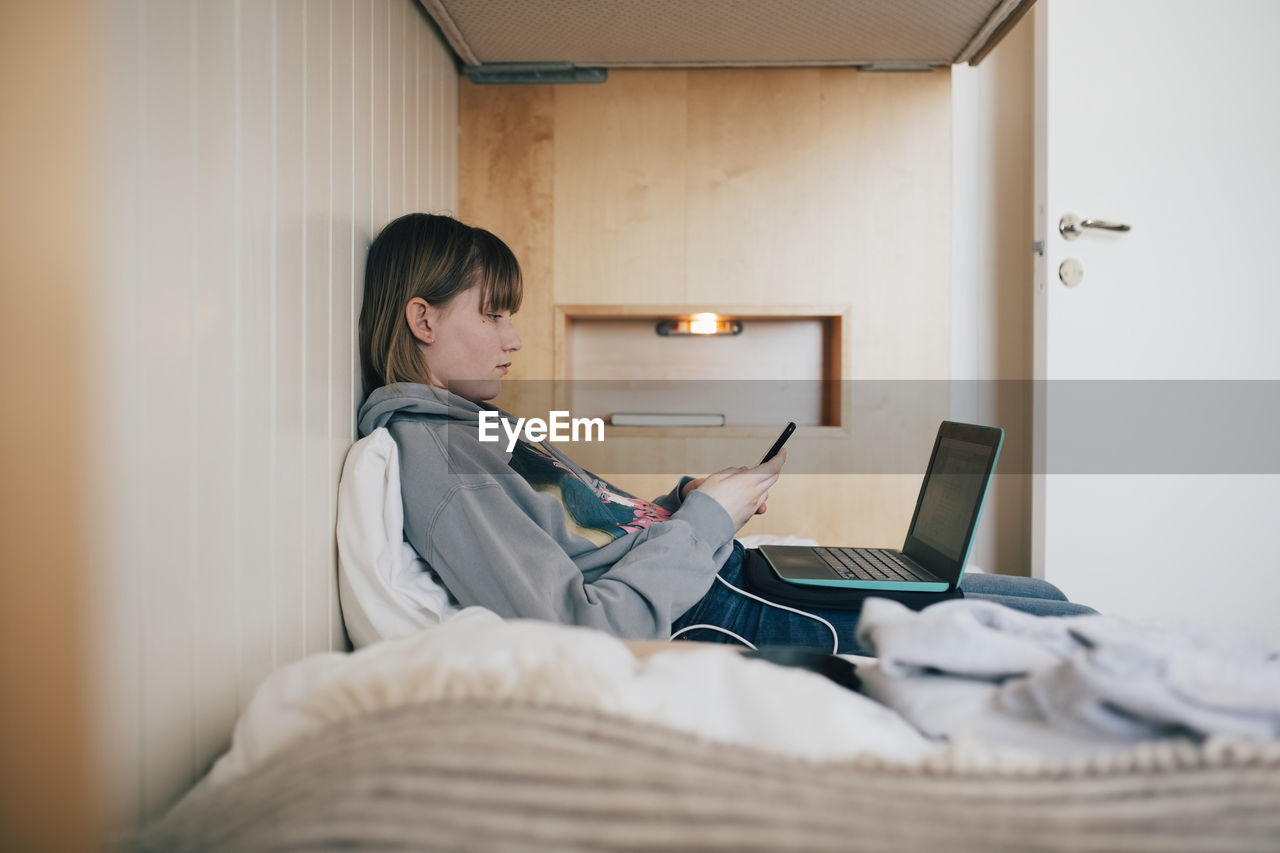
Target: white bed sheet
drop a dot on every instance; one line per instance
(710, 692)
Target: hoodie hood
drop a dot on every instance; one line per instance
(407, 398)
(413, 399)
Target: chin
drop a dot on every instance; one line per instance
(477, 391)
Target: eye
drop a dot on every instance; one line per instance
(495, 317)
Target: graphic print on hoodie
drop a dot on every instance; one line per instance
(594, 509)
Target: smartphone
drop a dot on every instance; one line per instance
(777, 445)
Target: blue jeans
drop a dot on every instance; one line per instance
(726, 607)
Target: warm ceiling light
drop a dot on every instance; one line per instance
(700, 324)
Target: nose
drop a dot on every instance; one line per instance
(511, 341)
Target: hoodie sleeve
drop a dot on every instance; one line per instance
(672, 500)
(492, 551)
(489, 552)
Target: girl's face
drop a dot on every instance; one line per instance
(470, 346)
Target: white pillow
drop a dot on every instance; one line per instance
(386, 589)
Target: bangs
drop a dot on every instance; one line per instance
(500, 282)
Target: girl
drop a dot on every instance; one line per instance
(528, 533)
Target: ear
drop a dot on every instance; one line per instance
(420, 316)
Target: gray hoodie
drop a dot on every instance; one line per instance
(529, 534)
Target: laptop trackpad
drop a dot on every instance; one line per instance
(798, 562)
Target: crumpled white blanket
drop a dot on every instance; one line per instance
(1065, 686)
(714, 692)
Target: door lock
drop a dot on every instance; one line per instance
(1071, 272)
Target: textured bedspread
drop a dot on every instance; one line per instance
(485, 775)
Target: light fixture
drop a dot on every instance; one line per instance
(700, 324)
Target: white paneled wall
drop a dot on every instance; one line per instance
(992, 136)
(254, 148)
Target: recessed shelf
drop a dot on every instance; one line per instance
(786, 363)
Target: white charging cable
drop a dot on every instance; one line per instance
(714, 628)
(835, 637)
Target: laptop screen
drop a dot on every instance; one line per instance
(951, 496)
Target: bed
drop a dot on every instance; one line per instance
(452, 728)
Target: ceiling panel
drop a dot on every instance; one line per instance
(621, 33)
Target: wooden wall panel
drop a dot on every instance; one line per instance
(620, 186)
(755, 234)
(776, 187)
(505, 173)
(889, 206)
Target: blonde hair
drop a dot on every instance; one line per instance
(432, 257)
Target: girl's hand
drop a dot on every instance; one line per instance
(741, 491)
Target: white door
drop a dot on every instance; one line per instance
(1157, 497)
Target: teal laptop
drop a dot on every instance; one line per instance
(937, 546)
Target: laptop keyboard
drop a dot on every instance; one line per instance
(870, 564)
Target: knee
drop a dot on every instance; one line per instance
(1012, 585)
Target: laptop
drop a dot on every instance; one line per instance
(937, 546)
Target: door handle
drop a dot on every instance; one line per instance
(1071, 226)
